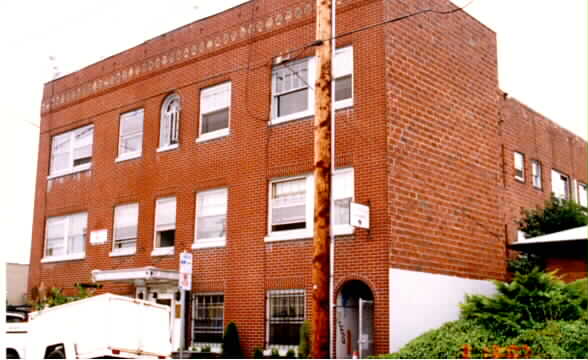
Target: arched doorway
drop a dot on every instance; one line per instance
(355, 324)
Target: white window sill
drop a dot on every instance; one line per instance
(343, 104)
(123, 252)
(167, 148)
(289, 235)
(163, 251)
(75, 170)
(292, 117)
(51, 259)
(126, 157)
(520, 179)
(340, 230)
(209, 243)
(213, 135)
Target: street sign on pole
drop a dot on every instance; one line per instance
(185, 271)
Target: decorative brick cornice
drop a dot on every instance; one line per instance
(294, 13)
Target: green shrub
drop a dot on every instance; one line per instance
(290, 354)
(257, 353)
(447, 342)
(275, 354)
(525, 263)
(305, 342)
(525, 303)
(205, 349)
(557, 215)
(557, 340)
(231, 342)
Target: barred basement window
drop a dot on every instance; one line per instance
(208, 318)
(285, 309)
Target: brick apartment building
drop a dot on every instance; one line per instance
(198, 140)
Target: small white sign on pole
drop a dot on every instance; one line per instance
(359, 215)
(186, 271)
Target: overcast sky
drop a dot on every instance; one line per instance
(541, 46)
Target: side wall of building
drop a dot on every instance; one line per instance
(525, 131)
(443, 155)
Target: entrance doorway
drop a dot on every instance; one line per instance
(355, 324)
(166, 296)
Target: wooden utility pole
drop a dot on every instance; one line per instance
(322, 181)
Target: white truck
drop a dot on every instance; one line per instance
(103, 326)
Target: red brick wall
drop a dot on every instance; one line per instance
(442, 143)
(538, 138)
(244, 162)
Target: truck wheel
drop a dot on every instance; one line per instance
(56, 354)
(11, 354)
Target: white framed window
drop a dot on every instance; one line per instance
(169, 131)
(215, 111)
(72, 151)
(582, 196)
(130, 143)
(211, 218)
(291, 206)
(537, 174)
(165, 226)
(293, 86)
(293, 90)
(65, 237)
(208, 314)
(519, 166)
(560, 185)
(343, 195)
(285, 315)
(124, 238)
(343, 75)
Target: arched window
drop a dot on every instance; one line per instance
(169, 134)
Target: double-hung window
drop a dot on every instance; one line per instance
(293, 86)
(169, 132)
(208, 318)
(291, 209)
(65, 237)
(211, 218)
(560, 185)
(72, 151)
(536, 173)
(343, 191)
(343, 75)
(293, 90)
(519, 166)
(165, 226)
(124, 239)
(215, 111)
(285, 315)
(130, 135)
(291, 206)
(582, 196)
